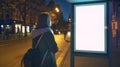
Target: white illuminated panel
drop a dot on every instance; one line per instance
(23, 29)
(90, 28)
(28, 28)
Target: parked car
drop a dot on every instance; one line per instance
(67, 36)
(56, 31)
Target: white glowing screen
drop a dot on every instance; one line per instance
(90, 28)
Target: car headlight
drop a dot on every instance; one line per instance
(69, 33)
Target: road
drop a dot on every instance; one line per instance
(11, 52)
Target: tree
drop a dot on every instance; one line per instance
(5, 11)
(31, 8)
(60, 21)
(51, 4)
(22, 6)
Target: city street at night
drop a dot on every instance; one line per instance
(12, 51)
(86, 32)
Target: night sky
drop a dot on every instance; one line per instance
(65, 6)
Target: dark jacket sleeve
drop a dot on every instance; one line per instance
(52, 45)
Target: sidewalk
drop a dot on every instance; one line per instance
(63, 49)
(66, 60)
(116, 56)
(82, 61)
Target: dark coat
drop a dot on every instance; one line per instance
(47, 42)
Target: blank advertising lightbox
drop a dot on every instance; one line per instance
(90, 28)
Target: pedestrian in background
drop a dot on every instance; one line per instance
(18, 32)
(65, 33)
(47, 44)
(7, 33)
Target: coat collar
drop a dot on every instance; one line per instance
(38, 32)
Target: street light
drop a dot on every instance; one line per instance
(56, 9)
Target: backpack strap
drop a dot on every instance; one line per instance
(45, 55)
(39, 41)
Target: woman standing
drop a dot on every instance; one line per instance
(47, 44)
